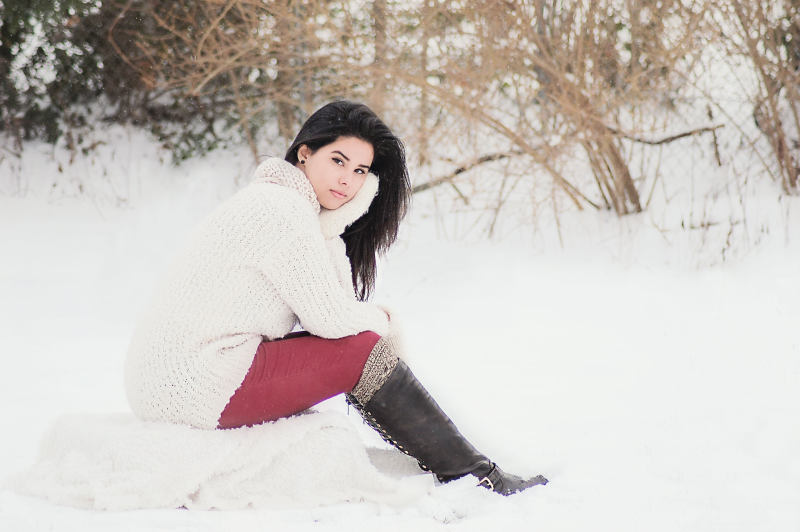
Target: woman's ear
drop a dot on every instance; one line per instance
(303, 152)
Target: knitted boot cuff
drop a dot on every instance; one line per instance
(380, 364)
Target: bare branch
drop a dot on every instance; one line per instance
(666, 140)
(461, 169)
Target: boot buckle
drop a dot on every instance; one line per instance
(489, 483)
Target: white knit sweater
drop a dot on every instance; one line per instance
(264, 260)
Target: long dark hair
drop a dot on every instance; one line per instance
(376, 230)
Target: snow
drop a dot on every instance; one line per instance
(654, 393)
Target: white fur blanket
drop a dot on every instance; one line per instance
(116, 462)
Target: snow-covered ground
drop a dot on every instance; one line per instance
(653, 394)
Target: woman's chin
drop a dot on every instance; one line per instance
(331, 204)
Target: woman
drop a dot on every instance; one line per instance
(298, 244)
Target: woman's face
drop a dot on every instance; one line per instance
(337, 170)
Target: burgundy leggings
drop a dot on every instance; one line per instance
(294, 373)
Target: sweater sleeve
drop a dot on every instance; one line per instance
(338, 253)
(301, 268)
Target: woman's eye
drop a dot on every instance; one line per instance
(338, 161)
(360, 171)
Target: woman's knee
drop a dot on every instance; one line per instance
(379, 365)
(364, 340)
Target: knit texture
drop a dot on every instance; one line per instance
(380, 364)
(263, 261)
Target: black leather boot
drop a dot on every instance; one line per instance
(405, 415)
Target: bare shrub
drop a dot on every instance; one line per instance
(767, 35)
(580, 95)
(545, 76)
(255, 57)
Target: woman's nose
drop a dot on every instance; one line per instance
(344, 180)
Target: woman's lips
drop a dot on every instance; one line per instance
(337, 194)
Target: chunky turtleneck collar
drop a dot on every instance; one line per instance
(332, 222)
(280, 172)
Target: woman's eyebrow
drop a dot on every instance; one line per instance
(346, 158)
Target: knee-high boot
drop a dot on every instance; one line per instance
(406, 416)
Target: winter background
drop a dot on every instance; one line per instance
(647, 365)
(652, 382)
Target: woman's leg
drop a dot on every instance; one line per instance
(405, 415)
(292, 374)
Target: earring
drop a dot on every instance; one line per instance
(302, 161)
